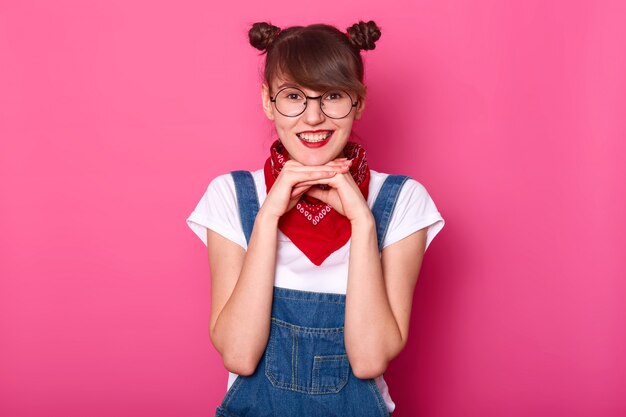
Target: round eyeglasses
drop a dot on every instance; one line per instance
(292, 102)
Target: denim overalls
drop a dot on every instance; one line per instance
(304, 370)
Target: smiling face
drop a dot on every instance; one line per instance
(312, 138)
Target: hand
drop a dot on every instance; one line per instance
(343, 195)
(290, 183)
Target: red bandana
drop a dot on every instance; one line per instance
(312, 225)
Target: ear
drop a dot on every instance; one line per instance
(267, 104)
(359, 108)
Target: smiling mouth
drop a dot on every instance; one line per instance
(314, 137)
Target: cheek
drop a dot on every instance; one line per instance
(346, 125)
(284, 125)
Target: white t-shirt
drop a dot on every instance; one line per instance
(218, 211)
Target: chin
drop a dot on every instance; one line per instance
(317, 158)
(310, 160)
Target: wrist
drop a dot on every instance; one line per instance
(364, 221)
(266, 218)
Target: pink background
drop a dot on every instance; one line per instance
(115, 115)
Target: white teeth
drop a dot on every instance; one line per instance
(308, 137)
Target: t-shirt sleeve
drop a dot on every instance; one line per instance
(218, 210)
(414, 210)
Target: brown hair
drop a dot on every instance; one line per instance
(318, 56)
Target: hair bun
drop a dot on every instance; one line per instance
(364, 35)
(262, 34)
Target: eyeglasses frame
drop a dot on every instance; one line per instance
(306, 102)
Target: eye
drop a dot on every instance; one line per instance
(291, 94)
(334, 95)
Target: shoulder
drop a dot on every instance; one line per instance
(218, 209)
(414, 210)
(224, 184)
(411, 189)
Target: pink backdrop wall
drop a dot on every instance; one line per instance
(115, 115)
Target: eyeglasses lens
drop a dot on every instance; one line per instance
(335, 104)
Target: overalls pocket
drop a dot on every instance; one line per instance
(330, 373)
(310, 360)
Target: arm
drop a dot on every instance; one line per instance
(379, 297)
(242, 282)
(241, 294)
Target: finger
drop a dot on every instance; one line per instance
(317, 193)
(309, 168)
(331, 180)
(298, 191)
(317, 181)
(299, 187)
(292, 177)
(299, 177)
(292, 163)
(335, 163)
(338, 164)
(288, 181)
(342, 162)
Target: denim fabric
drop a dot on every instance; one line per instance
(247, 200)
(304, 370)
(384, 205)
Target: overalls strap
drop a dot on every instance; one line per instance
(385, 203)
(247, 199)
(248, 202)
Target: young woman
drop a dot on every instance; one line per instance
(313, 257)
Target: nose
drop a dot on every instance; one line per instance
(313, 114)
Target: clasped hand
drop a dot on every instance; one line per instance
(296, 179)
